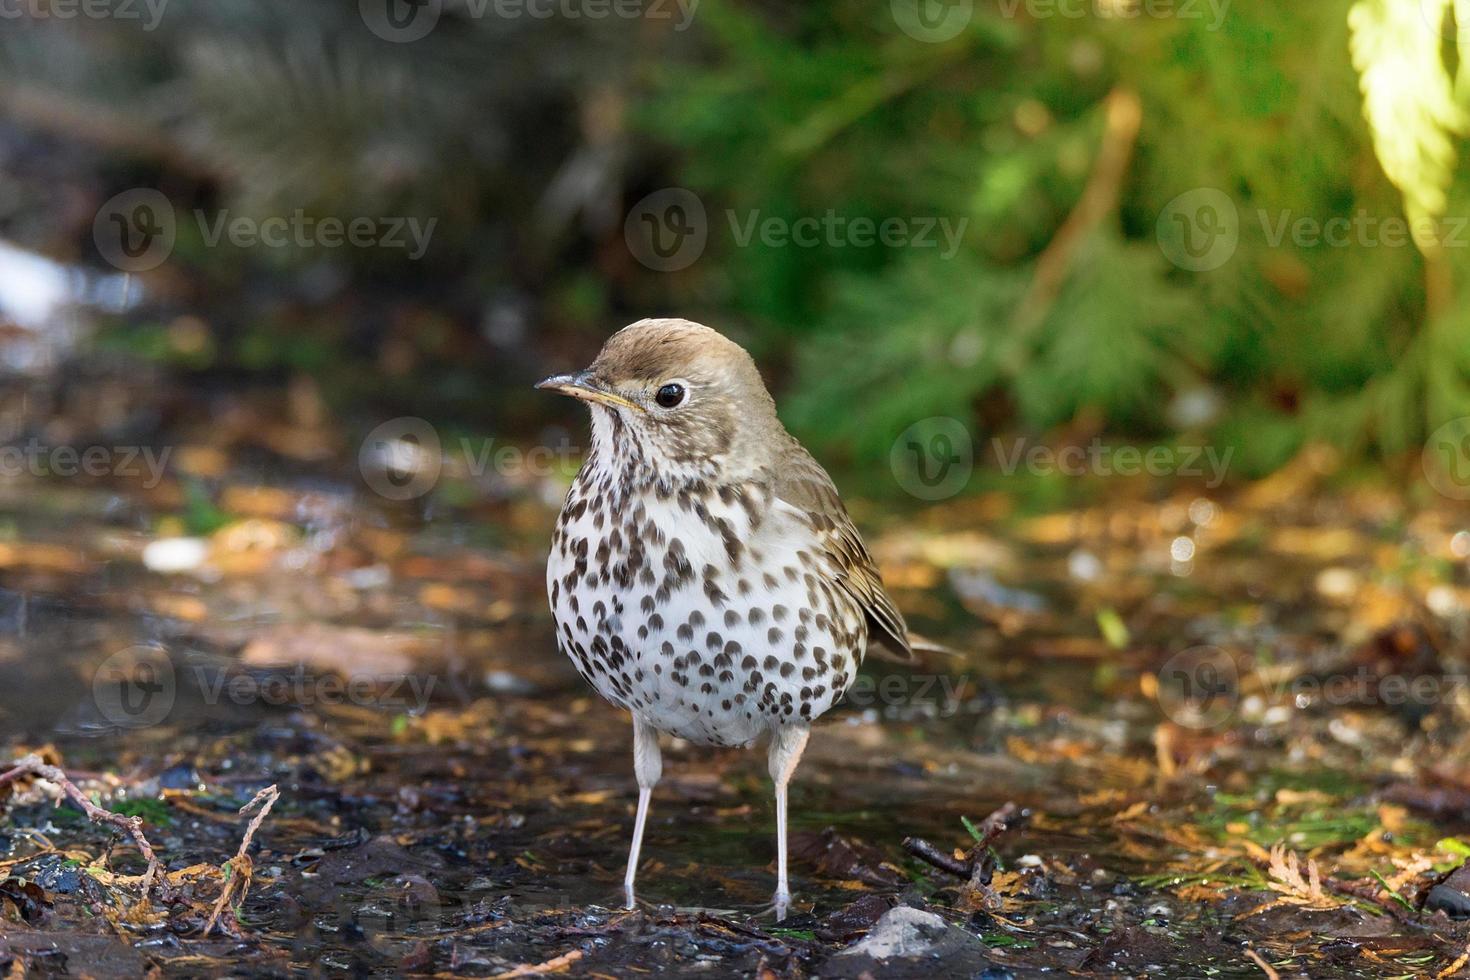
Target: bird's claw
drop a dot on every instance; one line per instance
(780, 907)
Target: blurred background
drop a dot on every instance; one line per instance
(1135, 333)
(1176, 220)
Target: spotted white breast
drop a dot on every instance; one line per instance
(708, 611)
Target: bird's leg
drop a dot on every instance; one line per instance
(648, 766)
(787, 744)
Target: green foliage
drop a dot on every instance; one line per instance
(1292, 338)
(1057, 296)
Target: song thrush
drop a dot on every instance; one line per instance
(704, 574)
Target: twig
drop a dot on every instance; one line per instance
(1260, 961)
(927, 852)
(996, 824)
(554, 965)
(34, 765)
(985, 834)
(1124, 115)
(53, 111)
(239, 869)
(1454, 967)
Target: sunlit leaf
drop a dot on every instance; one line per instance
(1410, 101)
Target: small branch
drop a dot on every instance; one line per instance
(974, 863)
(239, 868)
(59, 113)
(554, 965)
(928, 853)
(996, 824)
(1260, 961)
(34, 765)
(1124, 116)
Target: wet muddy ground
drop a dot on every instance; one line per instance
(1231, 727)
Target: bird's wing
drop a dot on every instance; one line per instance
(806, 488)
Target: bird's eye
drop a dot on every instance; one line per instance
(670, 395)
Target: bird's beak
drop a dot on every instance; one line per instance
(582, 385)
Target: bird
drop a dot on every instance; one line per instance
(704, 574)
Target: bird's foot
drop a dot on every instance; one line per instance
(781, 904)
(629, 901)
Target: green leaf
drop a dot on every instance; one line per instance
(1455, 846)
(1113, 629)
(1411, 102)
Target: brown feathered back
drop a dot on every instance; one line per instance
(806, 487)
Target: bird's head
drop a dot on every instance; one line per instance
(678, 398)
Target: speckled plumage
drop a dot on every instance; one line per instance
(703, 573)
